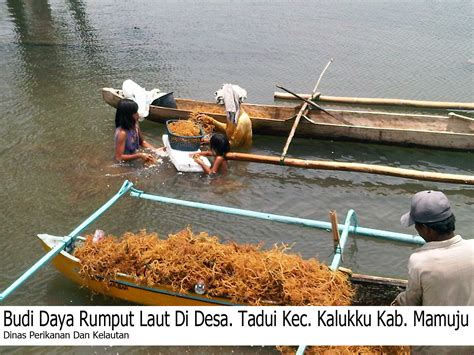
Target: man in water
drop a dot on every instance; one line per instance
(441, 272)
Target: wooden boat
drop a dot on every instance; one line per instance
(452, 131)
(370, 290)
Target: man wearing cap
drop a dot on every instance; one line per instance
(441, 272)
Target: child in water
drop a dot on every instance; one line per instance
(128, 137)
(219, 147)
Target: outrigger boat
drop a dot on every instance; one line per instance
(124, 286)
(452, 131)
(371, 290)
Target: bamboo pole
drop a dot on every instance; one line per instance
(356, 167)
(382, 101)
(335, 230)
(302, 112)
(339, 250)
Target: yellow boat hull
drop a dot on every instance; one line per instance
(124, 287)
(370, 290)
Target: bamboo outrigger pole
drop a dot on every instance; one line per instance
(357, 167)
(381, 101)
(302, 112)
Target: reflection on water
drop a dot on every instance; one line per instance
(37, 37)
(87, 33)
(33, 21)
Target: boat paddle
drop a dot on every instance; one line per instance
(313, 105)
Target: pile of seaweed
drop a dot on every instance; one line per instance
(349, 350)
(244, 273)
(185, 128)
(205, 121)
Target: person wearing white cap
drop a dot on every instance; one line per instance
(441, 272)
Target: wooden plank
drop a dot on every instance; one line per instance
(379, 280)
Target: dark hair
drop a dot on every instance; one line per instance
(125, 110)
(220, 144)
(443, 227)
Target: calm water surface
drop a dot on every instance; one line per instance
(57, 134)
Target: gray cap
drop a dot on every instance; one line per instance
(427, 207)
